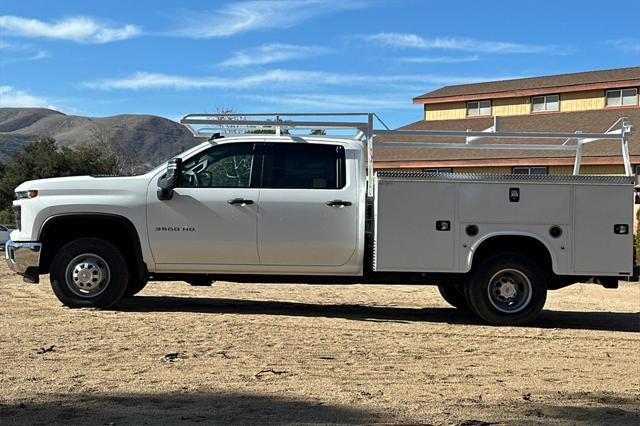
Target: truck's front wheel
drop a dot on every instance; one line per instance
(135, 286)
(507, 289)
(89, 272)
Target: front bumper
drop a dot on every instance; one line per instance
(24, 259)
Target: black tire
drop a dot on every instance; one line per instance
(518, 290)
(454, 295)
(89, 272)
(135, 286)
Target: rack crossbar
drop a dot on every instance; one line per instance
(543, 147)
(283, 123)
(510, 135)
(282, 114)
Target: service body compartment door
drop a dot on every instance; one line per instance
(598, 250)
(415, 226)
(484, 203)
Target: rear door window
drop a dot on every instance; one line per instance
(304, 166)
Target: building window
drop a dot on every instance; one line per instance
(438, 170)
(622, 97)
(540, 170)
(476, 108)
(545, 103)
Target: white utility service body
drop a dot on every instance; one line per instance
(301, 208)
(584, 208)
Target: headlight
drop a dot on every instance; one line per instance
(21, 195)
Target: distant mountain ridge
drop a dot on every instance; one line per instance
(149, 138)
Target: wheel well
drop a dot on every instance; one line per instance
(59, 230)
(528, 246)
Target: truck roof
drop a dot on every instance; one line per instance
(345, 141)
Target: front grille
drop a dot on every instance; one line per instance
(17, 215)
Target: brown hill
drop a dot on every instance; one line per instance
(150, 139)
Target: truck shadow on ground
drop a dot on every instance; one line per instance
(185, 408)
(249, 408)
(609, 321)
(583, 408)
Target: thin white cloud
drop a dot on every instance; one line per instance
(270, 79)
(14, 98)
(79, 29)
(145, 80)
(15, 52)
(271, 53)
(414, 41)
(626, 45)
(247, 16)
(438, 59)
(334, 101)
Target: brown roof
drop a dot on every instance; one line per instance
(522, 86)
(600, 152)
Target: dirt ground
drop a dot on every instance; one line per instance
(258, 353)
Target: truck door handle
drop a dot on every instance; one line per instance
(240, 201)
(443, 225)
(338, 203)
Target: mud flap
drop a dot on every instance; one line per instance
(606, 282)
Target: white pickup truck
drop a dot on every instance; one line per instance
(286, 207)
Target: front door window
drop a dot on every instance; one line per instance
(223, 166)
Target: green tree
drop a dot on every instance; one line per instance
(45, 159)
(92, 160)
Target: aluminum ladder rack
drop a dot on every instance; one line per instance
(362, 127)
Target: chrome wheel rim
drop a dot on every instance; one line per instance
(88, 275)
(509, 291)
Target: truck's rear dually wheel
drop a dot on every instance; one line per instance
(507, 289)
(89, 272)
(454, 294)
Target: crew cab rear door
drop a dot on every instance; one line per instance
(308, 205)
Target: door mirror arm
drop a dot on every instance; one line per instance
(169, 181)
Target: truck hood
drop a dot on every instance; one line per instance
(84, 184)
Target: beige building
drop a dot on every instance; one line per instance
(588, 101)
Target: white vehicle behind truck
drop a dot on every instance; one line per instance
(294, 207)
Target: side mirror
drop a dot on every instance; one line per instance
(169, 180)
(637, 196)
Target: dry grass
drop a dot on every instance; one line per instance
(248, 354)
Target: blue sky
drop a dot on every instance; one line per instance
(170, 58)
